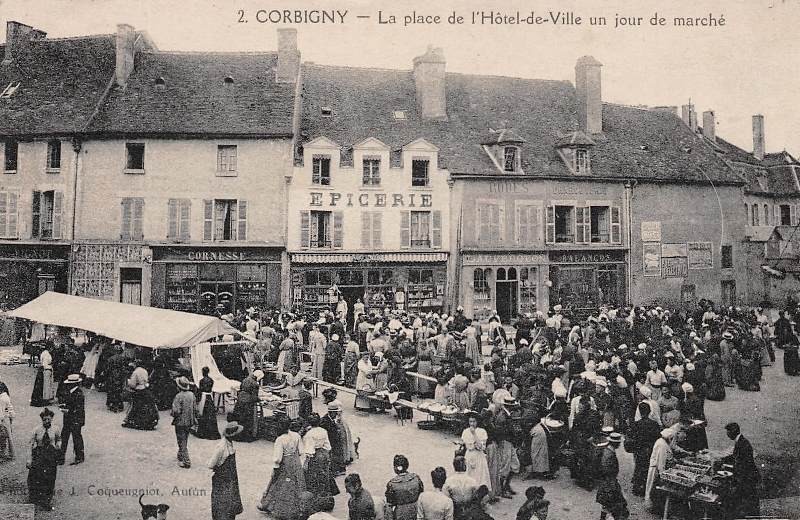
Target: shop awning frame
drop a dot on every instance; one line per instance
(144, 326)
(367, 258)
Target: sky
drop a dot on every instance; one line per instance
(750, 65)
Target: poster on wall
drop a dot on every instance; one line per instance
(674, 267)
(701, 255)
(651, 259)
(651, 231)
(673, 250)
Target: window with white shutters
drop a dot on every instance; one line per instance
(371, 230)
(8, 214)
(528, 225)
(490, 220)
(616, 225)
(132, 227)
(46, 214)
(420, 229)
(179, 220)
(224, 219)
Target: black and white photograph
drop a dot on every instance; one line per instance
(375, 260)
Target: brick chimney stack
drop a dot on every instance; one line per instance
(709, 126)
(758, 137)
(430, 84)
(288, 56)
(588, 89)
(126, 53)
(17, 36)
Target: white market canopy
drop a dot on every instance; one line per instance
(145, 326)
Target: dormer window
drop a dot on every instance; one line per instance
(582, 166)
(510, 159)
(399, 115)
(326, 111)
(9, 90)
(228, 81)
(160, 83)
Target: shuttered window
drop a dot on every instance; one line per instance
(371, 230)
(179, 216)
(46, 214)
(405, 229)
(8, 214)
(490, 222)
(338, 229)
(550, 235)
(616, 225)
(132, 219)
(528, 225)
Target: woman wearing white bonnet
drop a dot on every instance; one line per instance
(655, 412)
(660, 457)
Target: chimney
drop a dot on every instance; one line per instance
(430, 84)
(758, 137)
(686, 111)
(288, 56)
(126, 52)
(590, 101)
(17, 36)
(709, 126)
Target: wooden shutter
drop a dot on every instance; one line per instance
(185, 220)
(582, 224)
(4, 214)
(172, 217)
(338, 224)
(137, 222)
(436, 228)
(616, 225)
(535, 224)
(242, 215)
(58, 210)
(405, 229)
(305, 234)
(500, 221)
(377, 230)
(208, 220)
(550, 234)
(480, 223)
(11, 214)
(521, 225)
(366, 229)
(125, 228)
(36, 218)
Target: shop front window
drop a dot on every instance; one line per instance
(527, 289)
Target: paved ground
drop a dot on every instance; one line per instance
(118, 458)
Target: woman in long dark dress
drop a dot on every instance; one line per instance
(317, 449)
(282, 498)
(143, 414)
(332, 367)
(715, 385)
(226, 501)
(163, 386)
(207, 424)
(43, 464)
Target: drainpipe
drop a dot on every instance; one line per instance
(77, 145)
(629, 185)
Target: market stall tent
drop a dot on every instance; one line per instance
(145, 326)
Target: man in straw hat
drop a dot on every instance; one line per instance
(609, 492)
(74, 418)
(226, 501)
(184, 418)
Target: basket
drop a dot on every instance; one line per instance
(678, 477)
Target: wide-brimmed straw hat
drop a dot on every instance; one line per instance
(73, 378)
(232, 429)
(182, 382)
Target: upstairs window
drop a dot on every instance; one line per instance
(419, 172)
(132, 219)
(134, 157)
(510, 159)
(564, 218)
(786, 215)
(321, 170)
(582, 161)
(8, 214)
(179, 220)
(54, 155)
(227, 160)
(321, 229)
(727, 257)
(490, 220)
(766, 215)
(224, 219)
(372, 172)
(11, 156)
(599, 223)
(755, 215)
(420, 229)
(46, 212)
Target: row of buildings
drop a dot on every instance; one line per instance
(216, 181)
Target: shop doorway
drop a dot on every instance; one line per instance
(130, 286)
(216, 297)
(728, 293)
(506, 288)
(351, 296)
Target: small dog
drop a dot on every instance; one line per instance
(153, 511)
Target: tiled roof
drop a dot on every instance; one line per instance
(575, 139)
(777, 178)
(636, 143)
(195, 98)
(61, 82)
(501, 136)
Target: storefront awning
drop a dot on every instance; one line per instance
(356, 258)
(145, 326)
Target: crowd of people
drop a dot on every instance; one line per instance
(554, 391)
